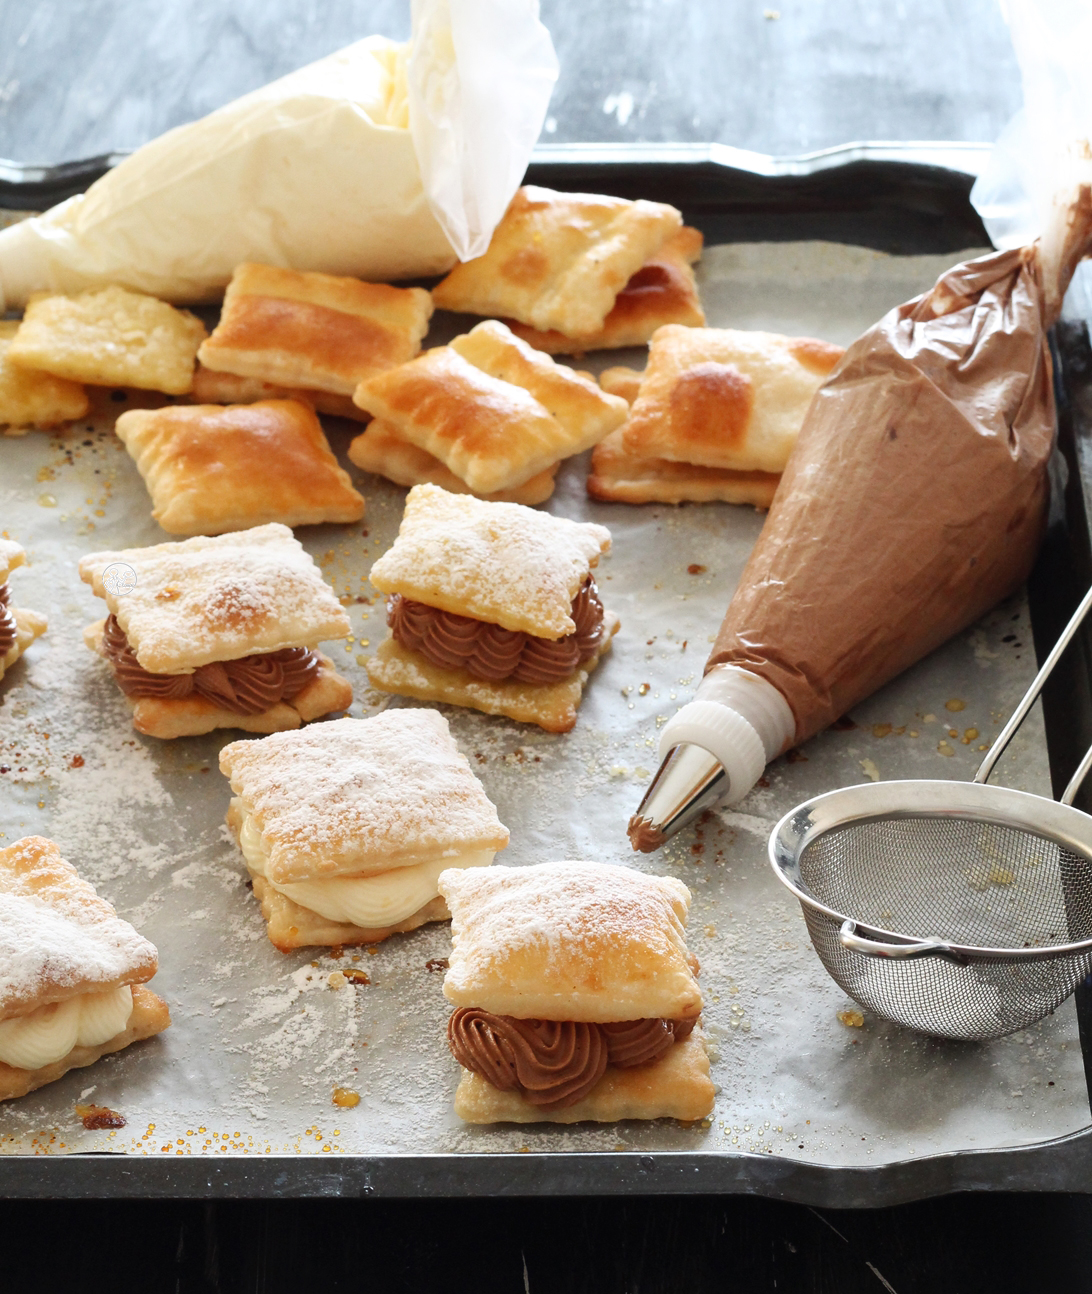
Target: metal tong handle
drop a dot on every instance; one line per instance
(1030, 696)
(932, 947)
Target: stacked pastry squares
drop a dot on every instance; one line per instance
(493, 606)
(345, 827)
(18, 626)
(72, 972)
(575, 996)
(218, 632)
(715, 416)
(574, 272)
(487, 414)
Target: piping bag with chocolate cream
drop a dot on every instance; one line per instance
(383, 161)
(914, 500)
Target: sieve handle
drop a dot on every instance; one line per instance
(998, 748)
(933, 947)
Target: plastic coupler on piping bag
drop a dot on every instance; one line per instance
(383, 161)
(914, 500)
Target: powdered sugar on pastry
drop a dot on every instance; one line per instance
(203, 600)
(58, 939)
(569, 941)
(498, 562)
(11, 556)
(361, 796)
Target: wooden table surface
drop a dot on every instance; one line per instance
(81, 79)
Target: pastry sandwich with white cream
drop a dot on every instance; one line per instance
(72, 972)
(346, 826)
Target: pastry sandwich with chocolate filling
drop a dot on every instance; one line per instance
(219, 633)
(72, 972)
(575, 996)
(346, 826)
(493, 606)
(18, 626)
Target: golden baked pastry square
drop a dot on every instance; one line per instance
(724, 398)
(314, 330)
(12, 556)
(677, 1086)
(357, 797)
(498, 562)
(557, 261)
(663, 291)
(31, 398)
(110, 337)
(583, 408)
(382, 451)
(620, 477)
(194, 601)
(211, 468)
(552, 706)
(65, 957)
(492, 434)
(569, 941)
(210, 387)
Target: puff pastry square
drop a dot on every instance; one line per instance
(210, 387)
(498, 562)
(211, 468)
(618, 476)
(552, 706)
(663, 291)
(29, 625)
(492, 409)
(723, 398)
(199, 600)
(570, 941)
(557, 261)
(382, 451)
(58, 941)
(31, 398)
(678, 1086)
(357, 797)
(322, 331)
(111, 337)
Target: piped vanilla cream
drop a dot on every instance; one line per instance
(50, 1032)
(368, 902)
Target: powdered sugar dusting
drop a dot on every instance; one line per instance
(361, 795)
(499, 562)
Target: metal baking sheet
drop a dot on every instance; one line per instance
(260, 1040)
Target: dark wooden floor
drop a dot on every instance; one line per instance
(958, 1245)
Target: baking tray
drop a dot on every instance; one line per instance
(235, 1099)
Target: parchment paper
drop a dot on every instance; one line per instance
(260, 1040)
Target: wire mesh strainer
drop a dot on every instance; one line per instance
(955, 908)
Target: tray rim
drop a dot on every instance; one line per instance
(1058, 1164)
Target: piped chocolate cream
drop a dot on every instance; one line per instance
(248, 685)
(555, 1063)
(9, 631)
(487, 651)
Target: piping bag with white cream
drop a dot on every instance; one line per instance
(383, 161)
(914, 500)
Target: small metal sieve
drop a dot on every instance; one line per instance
(955, 908)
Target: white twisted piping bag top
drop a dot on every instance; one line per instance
(316, 171)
